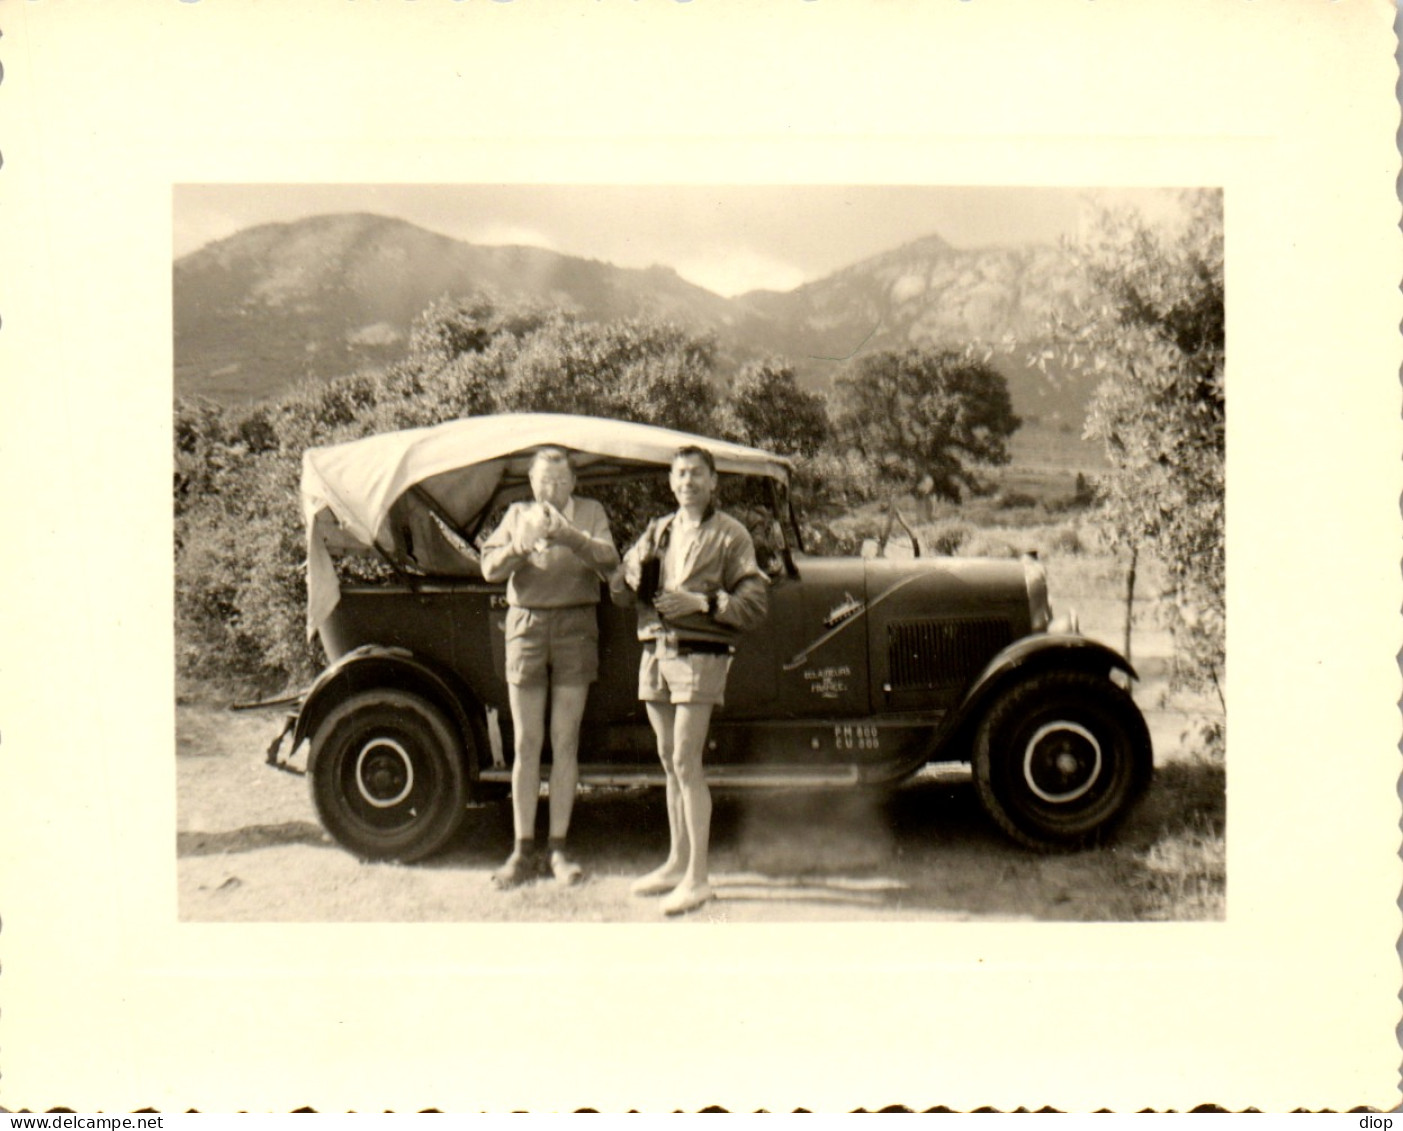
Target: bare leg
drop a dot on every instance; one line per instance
(567, 708)
(528, 704)
(689, 746)
(669, 874)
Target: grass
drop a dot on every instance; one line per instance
(250, 848)
(1176, 868)
(1185, 877)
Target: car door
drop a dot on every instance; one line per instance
(823, 669)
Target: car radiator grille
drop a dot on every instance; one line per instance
(939, 653)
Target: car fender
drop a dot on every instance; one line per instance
(1020, 659)
(372, 666)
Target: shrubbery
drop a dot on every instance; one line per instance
(927, 419)
(948, 537)
(239, 542)
(1153, 326)
(1065, 540)
(1015, 500)
(910, 429)
(987, 545)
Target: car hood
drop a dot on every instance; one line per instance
(959, 580)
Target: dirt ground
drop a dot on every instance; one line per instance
(250, 848)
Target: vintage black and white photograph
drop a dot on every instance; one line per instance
(930, 480)
(694, 556)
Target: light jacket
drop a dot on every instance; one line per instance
(721, 562)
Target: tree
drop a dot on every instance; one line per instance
(240, 547)
(924, 419)
(769, 410)
(452, 327)
(636, 369)
(1152, 322)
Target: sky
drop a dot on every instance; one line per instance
(728, 239)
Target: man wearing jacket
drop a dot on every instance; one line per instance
(552, 553)
(698, 586)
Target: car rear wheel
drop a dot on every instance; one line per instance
(387, 776)
(1061, 758)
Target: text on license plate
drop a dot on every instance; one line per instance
(856, 738)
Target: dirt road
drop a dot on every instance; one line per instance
(250, 849)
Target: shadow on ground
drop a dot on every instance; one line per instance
(249, 838)
(924, 850)
(926, 847)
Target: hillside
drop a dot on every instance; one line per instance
(278, 304)
(921, 291)
(927, 292)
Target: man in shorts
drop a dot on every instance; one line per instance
(552, 553)
(698, 586)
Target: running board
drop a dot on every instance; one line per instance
(724, 777)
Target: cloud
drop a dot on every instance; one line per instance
(734, 271)
(497, 234)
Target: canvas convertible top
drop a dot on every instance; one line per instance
(415, 496)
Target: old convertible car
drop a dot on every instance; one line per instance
(865, 671)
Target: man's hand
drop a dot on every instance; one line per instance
(554, 520)
(560, 531)
(531, 530)
(679, 603)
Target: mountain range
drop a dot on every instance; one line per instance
(279, 304)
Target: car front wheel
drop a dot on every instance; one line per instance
(387, 776)
(1060, 759)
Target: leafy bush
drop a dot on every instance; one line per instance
(1153, 329)
(1012, 500)
(1206, 737)
(928, 420)
(239, 541)
(826, 540)
(767, 409)
(1065, 540)
(1084, 491)
(987, 545)
(946, 538)
(841, 534)
(831, 483)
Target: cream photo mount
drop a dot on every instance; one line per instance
(108, 1002)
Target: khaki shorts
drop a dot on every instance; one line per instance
(666, 675)
(553, 645)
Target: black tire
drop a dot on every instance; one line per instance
(1061, 758)
(388, 776)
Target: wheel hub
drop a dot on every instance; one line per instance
(1061, 762)
(384, 773)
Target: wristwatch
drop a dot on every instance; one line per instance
(711, 603)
